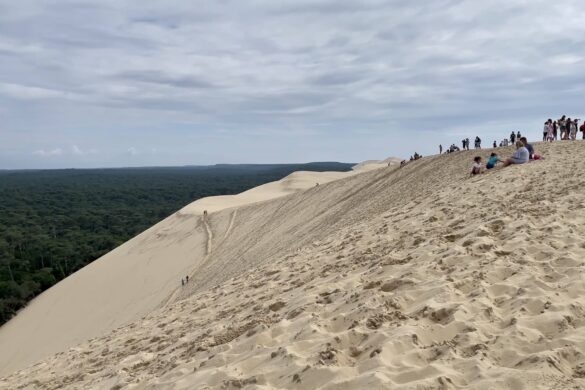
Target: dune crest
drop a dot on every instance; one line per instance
(410, 278)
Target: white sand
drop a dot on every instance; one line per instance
(129, 282)
(410, 278)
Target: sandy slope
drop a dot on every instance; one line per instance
(410, 278)
(132, 280)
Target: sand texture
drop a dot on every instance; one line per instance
(398, 278)
(135, 278)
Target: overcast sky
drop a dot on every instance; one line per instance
(118, 83)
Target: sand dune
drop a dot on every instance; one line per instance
(400, 278)
(131, 281)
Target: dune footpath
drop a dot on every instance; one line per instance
(410, 278)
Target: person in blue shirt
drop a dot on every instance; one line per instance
(492, 161)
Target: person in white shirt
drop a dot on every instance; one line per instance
(476, 169)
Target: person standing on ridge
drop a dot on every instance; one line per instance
(477, 142)
(467, 143)
(563, 126)
(582, 129)
(440, 149)
(512, 138)
(495, 144)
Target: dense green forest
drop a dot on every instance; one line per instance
(54, 222)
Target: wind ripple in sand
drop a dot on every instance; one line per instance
(472, 284)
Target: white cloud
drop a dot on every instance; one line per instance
(49, 153)
(103, 72)
(76, 151)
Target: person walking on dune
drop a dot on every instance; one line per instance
(512, 138)
(440, 149)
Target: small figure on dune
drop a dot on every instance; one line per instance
(582, 129)
(573, 130)
(467, 143)
(520, 156)
(205, 213)
(512, 138)
(492, 161)
(529, 147)
(549, 131)
(440, 149)
(495, 145)
(477, 143)
(476, 169)
(182, 282)
(187, 279)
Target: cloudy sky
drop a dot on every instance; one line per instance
(131, 83)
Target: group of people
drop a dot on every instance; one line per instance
(564, 127)
(464, 146)
(524, 153)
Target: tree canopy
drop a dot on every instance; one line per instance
(54, 222)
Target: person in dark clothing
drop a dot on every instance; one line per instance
(512, 138)
(529, 147)
(495, 144)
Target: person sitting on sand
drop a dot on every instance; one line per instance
(476, 169)
(492, 161)
(529, 147)
(520, 156)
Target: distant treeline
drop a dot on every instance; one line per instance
(54, 222)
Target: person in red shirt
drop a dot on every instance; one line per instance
(582, 129)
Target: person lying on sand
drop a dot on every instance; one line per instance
(520, 156)
(476, 169)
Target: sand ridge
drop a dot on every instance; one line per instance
(132, 280)
(410, 278)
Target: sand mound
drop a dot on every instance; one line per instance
(132, 280)
(410, 278)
